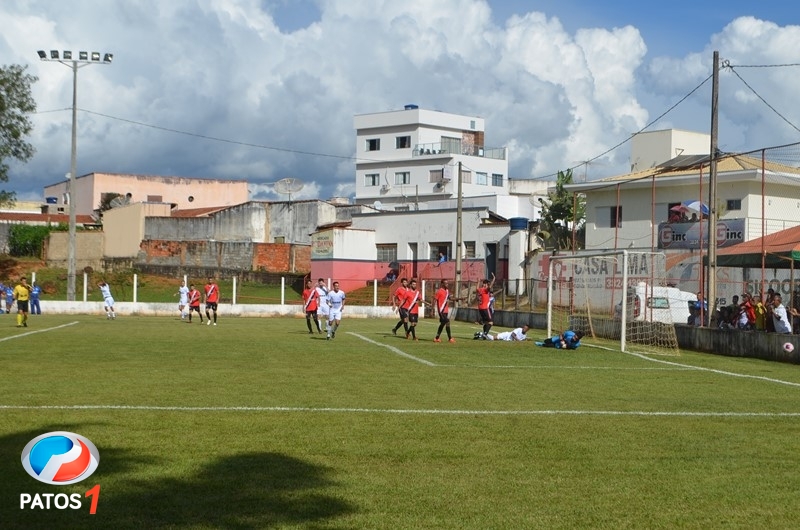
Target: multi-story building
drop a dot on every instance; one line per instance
(411, 157)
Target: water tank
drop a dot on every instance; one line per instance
(51, 200)
(411, 106)
(518, 223)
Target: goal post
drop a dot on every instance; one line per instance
(621, 296)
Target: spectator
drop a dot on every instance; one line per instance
(442, 259)
(780, 318)
(701, 311)
(760, 313)
(768, 303)
(796, 307)
(36, 291)
(747, 313)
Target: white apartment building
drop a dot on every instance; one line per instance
(408, 158)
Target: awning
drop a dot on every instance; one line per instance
(780, 250)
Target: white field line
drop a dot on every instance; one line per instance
(33, 332)
(561, 367)
(392, 349)
(443, 412)
(715, 371)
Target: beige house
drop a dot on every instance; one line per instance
(179, 192)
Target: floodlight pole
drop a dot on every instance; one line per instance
(711, 299)
(74, 64)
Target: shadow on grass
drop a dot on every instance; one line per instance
(252, 490)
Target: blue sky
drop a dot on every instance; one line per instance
(556, 81)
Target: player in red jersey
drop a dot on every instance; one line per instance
(442, 299)
(484, 304)
(194, 303)
(412, 301)
(310, 298)
(397, 302)
(212, 298)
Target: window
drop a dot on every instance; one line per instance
(443, 247)
(451, 145)
(402, 177)
(402, 142)
(374, 144)
(155, 198)
(280, 239)
(615, 217)
(733, 204)
(387, 253)
(469, 249)
(497, 180)
(466, 176)
(436, 175)
(481, 179)
(402, 209)
(372, 179)
(471, 124)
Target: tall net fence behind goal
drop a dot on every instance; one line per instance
(621, 296)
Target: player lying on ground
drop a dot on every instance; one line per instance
(569, 340)
(518, 334)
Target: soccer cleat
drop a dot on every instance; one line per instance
(452, 340)
(437, 339)
(328, 337)
(394, 331)
(215, 323)
(333, 334)
(539, 343)
(415, 338)
(208, 323)
(24, 324)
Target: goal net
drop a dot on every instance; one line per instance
(621, 296)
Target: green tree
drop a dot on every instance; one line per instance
(560, 211)
(27, 240)
(16, 103)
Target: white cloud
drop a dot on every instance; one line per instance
(225, 69)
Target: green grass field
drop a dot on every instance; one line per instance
(256, 424)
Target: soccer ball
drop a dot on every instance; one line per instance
(788, 347)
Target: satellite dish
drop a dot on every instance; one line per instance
(288, 186)
(378, 205)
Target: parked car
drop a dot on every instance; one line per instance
(657, 304)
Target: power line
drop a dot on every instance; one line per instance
(626, 140)
(781, 116)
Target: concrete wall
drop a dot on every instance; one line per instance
(126, 226)
(89, 247)
(228, 255)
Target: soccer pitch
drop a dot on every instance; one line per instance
(255, 423)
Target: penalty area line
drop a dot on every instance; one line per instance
(392, 349)
(37, 331)
(449, 412)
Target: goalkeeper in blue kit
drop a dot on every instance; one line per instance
(569, 340)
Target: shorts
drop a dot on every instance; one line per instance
(194, 308)
(323, 310)
(403, 313)
(486, 315)
(212, 306)
(22, 305)
(444, 318)
(109, 302)
(312, 313)
(413, 317)
(335, 314)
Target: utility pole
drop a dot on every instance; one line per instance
(459, 208)
(711, 300)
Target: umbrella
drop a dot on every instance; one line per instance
(695, 206)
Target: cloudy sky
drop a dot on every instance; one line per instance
(266, 89)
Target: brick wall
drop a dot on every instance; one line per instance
(215, 255)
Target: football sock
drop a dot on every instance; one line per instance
(447, 328)
(486, 328)
(439, 331)
(414, 331)
(308, 323)
(405, 326)
(19, 319)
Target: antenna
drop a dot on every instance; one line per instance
(288, 186)
(378, 205)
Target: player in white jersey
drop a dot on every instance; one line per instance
(519, 334)
(336, 303)
(322, 299)
(183, 301)
(108, 300)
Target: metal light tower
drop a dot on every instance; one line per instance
(84, 59)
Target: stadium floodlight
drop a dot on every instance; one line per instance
(67, 60)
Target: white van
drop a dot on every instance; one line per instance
(657, 304)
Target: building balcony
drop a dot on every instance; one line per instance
(436, 149)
